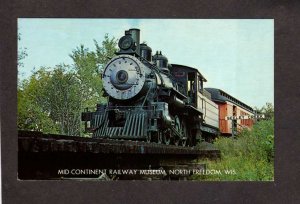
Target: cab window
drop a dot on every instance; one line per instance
(200, 84)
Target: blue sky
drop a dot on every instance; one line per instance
(236, 56)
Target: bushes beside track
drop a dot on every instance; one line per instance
(248, 157)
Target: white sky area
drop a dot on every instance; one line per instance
(236, 56)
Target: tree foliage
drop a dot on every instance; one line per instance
(60, 100)
(106, 51)
(267, 110)
(88, 66)
(52, 99)
(31, 115)
(48, 102)
(22, 53)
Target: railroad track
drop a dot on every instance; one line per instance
(48, 156)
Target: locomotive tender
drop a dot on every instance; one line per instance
(152, 100)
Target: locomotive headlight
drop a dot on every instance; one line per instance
(125, 42)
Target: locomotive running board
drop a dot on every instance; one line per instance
(194, 110)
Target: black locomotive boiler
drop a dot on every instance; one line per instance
(152, 100)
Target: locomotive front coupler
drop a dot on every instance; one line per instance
(117, 114)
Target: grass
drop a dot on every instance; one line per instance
(248, 157)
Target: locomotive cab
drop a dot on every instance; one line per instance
(193, 88)
(191, 84)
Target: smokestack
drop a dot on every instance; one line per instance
(135, 34)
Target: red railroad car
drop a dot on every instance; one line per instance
(230, 106)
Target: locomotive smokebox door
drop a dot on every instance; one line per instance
(124, 77)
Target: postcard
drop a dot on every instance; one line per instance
(146, 99)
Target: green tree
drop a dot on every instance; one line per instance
(22, 53)
(267, 110)
(52, 101)
(88, 66)
(105, 52)
(61, 100)
(31, 115)
(48, 102)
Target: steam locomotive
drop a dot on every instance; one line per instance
(152, 100)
